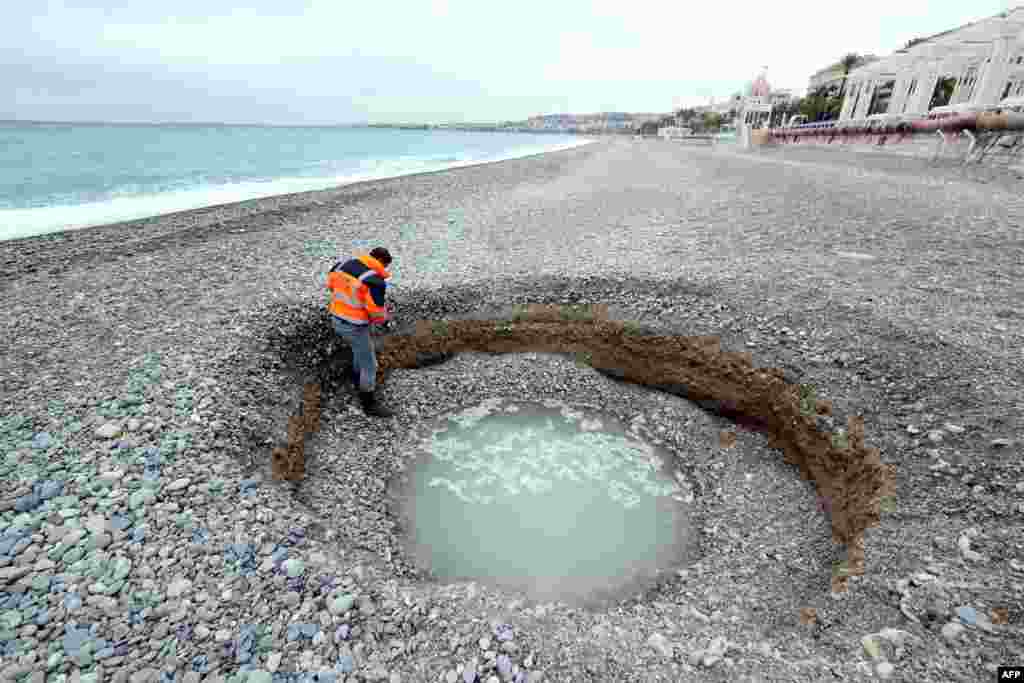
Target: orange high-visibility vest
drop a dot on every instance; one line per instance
(358, 287)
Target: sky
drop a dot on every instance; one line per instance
(323, 62)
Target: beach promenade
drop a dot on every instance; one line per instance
(894, 288)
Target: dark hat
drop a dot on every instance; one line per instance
(382, 255)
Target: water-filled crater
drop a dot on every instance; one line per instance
(555, 501)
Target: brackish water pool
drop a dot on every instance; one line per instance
(554, 501)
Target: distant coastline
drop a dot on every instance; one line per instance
(462, 127)
(481, 128)
(178, 124)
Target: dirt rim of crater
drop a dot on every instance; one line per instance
(846, 472)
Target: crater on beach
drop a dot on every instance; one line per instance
(725, 385)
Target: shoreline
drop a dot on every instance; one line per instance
(156, 198)
(26, 255)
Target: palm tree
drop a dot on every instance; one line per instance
(848, 63)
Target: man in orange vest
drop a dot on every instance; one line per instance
(358, 288)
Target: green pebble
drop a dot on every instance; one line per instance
(8, 634)
(344, 603)
(68, 513)
(122, 567)
(294, 567)
(54, 660)
(140, 498)
(41, 583)
(259, 676)
(79, 568)
(73, 555)
(56, 552)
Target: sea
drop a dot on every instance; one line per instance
(65, 176)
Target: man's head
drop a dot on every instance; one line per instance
(382, 255)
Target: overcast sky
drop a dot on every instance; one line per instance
(338, 61)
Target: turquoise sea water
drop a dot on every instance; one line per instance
(66, 176)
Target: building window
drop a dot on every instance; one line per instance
(880, 100)
(943, 92)
(856, 99)
(910, 91)
(967, 84)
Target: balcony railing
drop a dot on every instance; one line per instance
(985, 126)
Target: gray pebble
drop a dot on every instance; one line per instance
(146, 675)
(15, 670)
(952, 631)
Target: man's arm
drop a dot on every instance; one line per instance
(376, 304)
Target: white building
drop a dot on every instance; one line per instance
(782, 97)
(974, 66)
(755, 109)
(832, 76)
(674, 132)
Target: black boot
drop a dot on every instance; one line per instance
(371, 407)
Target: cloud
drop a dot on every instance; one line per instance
(329, 90)
(330, 61)
(49, 89)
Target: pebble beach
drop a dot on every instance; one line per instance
(143, 385)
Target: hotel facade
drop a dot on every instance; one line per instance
(974, 67)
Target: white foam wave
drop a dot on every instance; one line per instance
(15, 223)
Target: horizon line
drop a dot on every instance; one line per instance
(83, 122)
(225, 124)
(355, 124)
